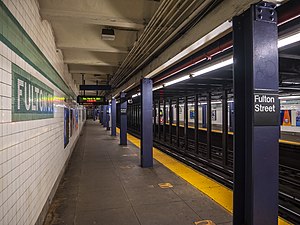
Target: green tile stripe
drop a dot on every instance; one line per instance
(15, 37)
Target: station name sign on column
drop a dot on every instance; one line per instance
(266, 109)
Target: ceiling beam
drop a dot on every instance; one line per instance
(67, 46)
(90, 18)
(91, 63)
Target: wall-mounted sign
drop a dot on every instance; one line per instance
(266, 109)
(214, 115)
(31, 99)
(298, 118)
(123, 110)
(91, 100)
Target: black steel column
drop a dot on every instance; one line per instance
(224, 127)
(170, 120)
(146, 123)
(159, 119)
(177, 122)
(165, 120)
(186, 124)
(154, 119)
(196, 122)
(113, 117)
(123, 117)
(256, 124)
(208, 125)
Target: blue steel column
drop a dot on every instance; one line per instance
(113, 117)
(123, 117)
(101, 114)
(104, 116)
(146, 123)
(204, 116)
(107, 117)
(256, 129)
(231, 116)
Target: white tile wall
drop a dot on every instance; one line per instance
(32, 153)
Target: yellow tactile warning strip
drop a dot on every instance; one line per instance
(216, 191)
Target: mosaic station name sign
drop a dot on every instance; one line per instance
(32, 99)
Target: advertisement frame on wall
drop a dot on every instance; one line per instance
(298, 118)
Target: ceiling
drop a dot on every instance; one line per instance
(78, 25)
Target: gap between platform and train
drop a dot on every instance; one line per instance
(216, 191)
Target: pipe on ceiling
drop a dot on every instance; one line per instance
(127, 70)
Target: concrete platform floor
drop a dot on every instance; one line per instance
(104, 184)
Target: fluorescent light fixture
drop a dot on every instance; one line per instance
(223, 28)
(290, 97)
(289, 40)
(135, 95)
(158, 87)
(128, 87)
(177, 80)
(226, 62)
(290, 82)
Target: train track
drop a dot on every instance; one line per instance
(289, 177)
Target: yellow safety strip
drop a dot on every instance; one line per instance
(216, 191)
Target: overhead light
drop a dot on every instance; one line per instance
(177, 80)
(128, 87)
(108, 34)
(158, 87)
(290, 97)
(290, 82)
(226, 62)
(289, 40)
(135, 95)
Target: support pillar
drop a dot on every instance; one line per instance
(154, 120)
(165, 120)
(101, 114)
(123, 117)
(208, 124)
(146, 123)
(196, 123)
(186, 124)
(170, 120)
(177, 123)
(256, 126)
(159, 122)
(224, 127)
(231, 116)
(113, 117)
(104, 116)
(204, 116)
(108, 117)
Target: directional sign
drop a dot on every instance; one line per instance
(91, 100)
(94, 87)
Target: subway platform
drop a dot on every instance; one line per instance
(104, 184)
